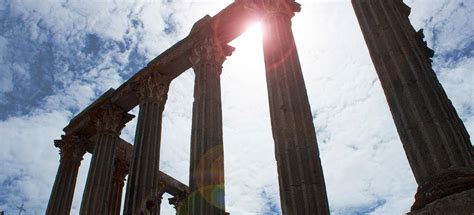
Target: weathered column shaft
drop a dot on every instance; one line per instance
(301, 180)
(434, 138)
(118, 178)
(206, 180)
(98, 185)
(143, 180)
(63, 189)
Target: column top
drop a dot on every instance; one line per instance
(152, 88)
(209, 50)
(111, 118)
(71, 148)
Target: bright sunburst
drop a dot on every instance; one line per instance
(252, 37)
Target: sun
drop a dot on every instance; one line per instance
(248, 56)
(254, 30)
(252, 37)
(247, 61)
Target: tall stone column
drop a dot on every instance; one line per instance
(434, 138)
(300, 175)
(143, 180)
(71, 150)
(96, 198)
(121, 167)
(206, 180)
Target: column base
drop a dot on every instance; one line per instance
(445, 185)
(455, 204)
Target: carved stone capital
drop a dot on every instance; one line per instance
(269, 8)
(210, 52)
(110, 119)
(153, 89)
(156, 201)
(178, 200)
(71, 149)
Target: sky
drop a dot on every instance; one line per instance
(58, 56)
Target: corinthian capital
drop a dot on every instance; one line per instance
(178, 200)
(72, 148)
(272, 7)
(153, 89)
(110, 119)
(209, 51)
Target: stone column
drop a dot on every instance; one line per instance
(71, 150)
(144, 175)
(118, 178)
(206, 180)
(434, 138)
(98, 185)
(300, 175)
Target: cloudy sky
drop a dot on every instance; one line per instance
(57, 56)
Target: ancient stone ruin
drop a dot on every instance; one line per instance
(434, 138)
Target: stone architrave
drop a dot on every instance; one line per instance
(96, 198)
(121, 167)
(72, 150)
(300, 174)
(142, 186)
(435, 140)
(206, 177)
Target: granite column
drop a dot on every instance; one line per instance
(206, 180)
(143, 187)
(121, 167)
(434, 138)
(96, 196)
(300, 174)
(71, 150)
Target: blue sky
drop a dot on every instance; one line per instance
(56, 57)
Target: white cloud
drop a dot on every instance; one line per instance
(363, 160)
(28, 161)
(447, 23)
